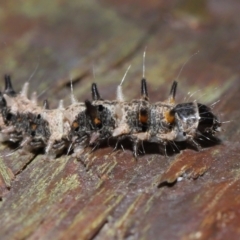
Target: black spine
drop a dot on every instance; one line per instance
(144, 91)
(173, 90)
(95, 93)
(8, 86)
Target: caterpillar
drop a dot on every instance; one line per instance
(90, 123)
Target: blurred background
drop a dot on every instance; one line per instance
(95, 41)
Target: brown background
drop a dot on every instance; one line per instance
(108, 195)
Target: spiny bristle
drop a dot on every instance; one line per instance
(60, 105)
(8, 86)
(95, 93)
(45, 104)
(25, 88)
(120, 95)
(173, 92)
(144, 91)
(34, 98)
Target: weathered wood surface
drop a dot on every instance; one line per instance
(108, 195)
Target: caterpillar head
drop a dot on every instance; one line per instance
(208, 122)
(193, 118)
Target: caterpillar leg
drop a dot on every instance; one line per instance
(194, 144)
(136, 144)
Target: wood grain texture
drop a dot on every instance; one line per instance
(106, 194)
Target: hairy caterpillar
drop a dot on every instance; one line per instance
(90, 123)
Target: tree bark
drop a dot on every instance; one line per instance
(106, 194)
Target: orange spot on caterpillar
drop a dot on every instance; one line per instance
(33, 126)
(97, 121)
(143, 116)
(143, 119)
(75, 124)
(169, 117)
